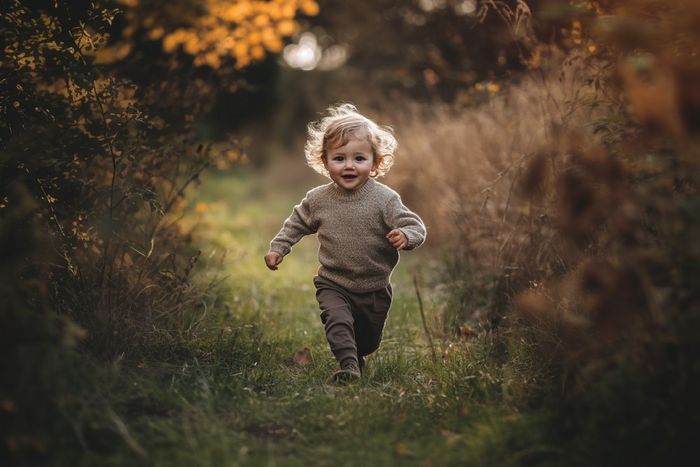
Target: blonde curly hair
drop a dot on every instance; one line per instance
(335, 130)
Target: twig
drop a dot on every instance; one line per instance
(422, 317)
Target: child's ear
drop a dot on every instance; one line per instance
(324, 159)
(375, 162)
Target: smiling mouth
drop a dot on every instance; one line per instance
(349, 177)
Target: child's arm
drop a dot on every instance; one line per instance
(408, 231)
(296, 226)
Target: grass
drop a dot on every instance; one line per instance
(231, 394)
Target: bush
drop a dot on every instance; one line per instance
(577, 190)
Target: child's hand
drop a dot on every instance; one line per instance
(272, 259)
(397, 239)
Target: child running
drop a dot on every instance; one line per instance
(361, 226)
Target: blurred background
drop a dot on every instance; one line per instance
(149, 151)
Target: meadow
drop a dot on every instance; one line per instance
(150, 150)
(251, 383)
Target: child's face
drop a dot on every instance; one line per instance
(349, 165)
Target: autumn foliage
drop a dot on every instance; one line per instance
(104, 159)
(569, 201)
(213, 32)
(563, 189)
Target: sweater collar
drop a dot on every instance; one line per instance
(341, 194)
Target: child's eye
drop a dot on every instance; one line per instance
(338, 158)
(360, 158)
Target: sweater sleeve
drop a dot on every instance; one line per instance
(296, 226)
(398, 216)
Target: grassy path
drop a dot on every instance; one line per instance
(237, 397)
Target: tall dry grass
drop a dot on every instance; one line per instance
(466, 171)
(566, 204)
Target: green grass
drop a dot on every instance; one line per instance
(228, 393)
(231, 395)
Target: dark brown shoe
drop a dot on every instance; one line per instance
(346, 376)
(348, 373)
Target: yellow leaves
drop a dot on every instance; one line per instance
(286, 27)
(240, 50)
(213, 60)
(272, 41)
(193, 45)
(156, 33)
(274, 11)
(257, 52)
(89, 41)
(490, 87)
(241, 31)
(274, 46)
(245, 31)
(233, 14)
(29, 62)
(535, 60)
(113, 53)
(576, 32)
(310, 8)
(268, 35)
(288, 10)
(128, 31)
(254, 38)
(174, 39)
(261, 21)
(242, 62)
(201, 208)
(228, 158)
(577, 38)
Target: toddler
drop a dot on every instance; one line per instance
(361, 226)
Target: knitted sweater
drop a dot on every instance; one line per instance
(352, 227)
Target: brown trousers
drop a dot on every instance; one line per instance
(353, 321)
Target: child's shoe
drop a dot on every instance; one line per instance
(348, 373)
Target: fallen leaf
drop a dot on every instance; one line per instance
(302, 357)
(402, 450)
(466, 331)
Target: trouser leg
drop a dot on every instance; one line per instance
(370, 320)
(338, 321)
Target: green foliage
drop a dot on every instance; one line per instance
(107, 177)
(34, 342)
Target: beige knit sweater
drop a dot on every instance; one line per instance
(351, 227)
